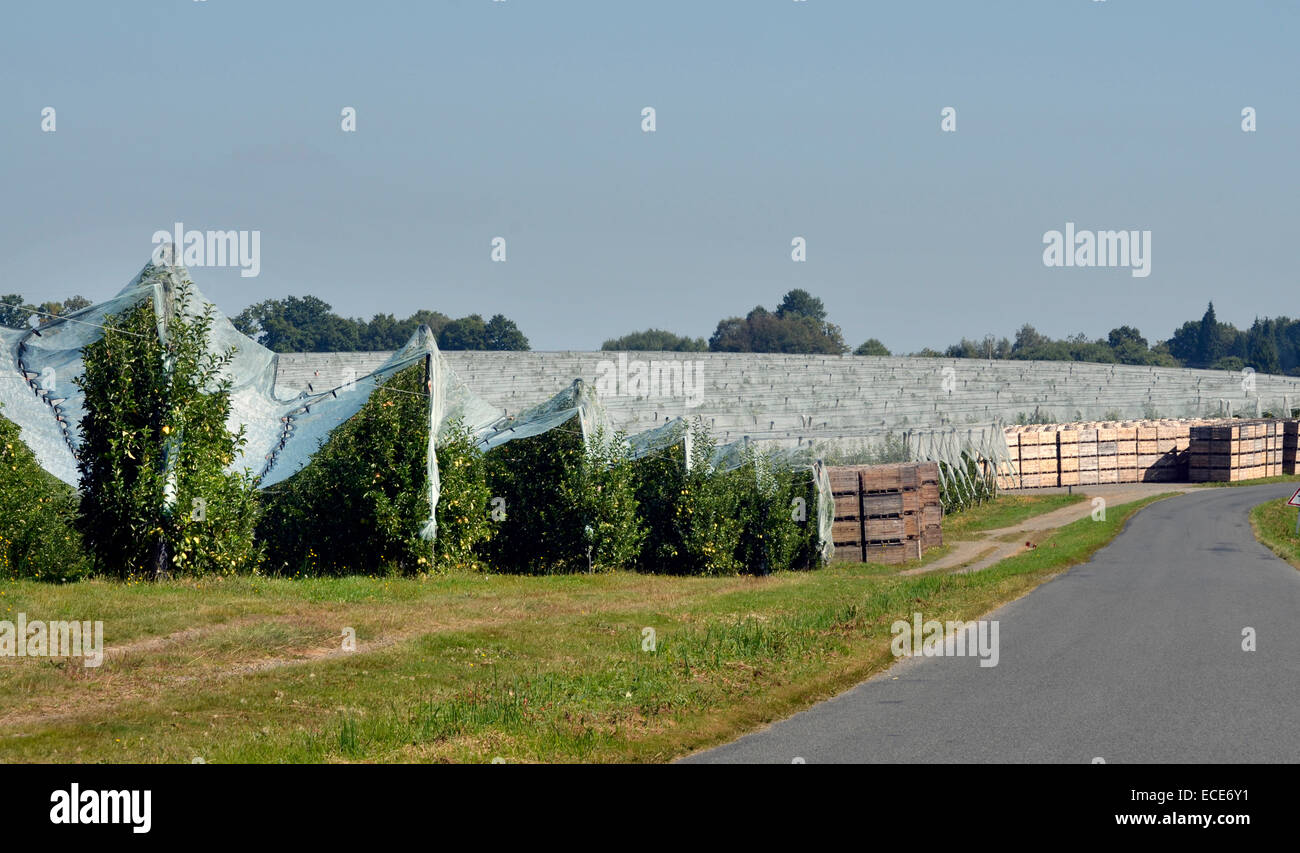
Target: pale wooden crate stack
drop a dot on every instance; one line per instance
(1239, 450)
(885, 513)
(1144, 451)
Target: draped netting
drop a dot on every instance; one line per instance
(282, 431)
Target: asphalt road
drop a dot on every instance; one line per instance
(1135, 656)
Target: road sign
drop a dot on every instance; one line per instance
(1295, 499)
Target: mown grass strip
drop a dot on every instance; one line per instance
(575, 681)
(1274, 525)
(1007, 511)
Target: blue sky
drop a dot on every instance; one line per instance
(775, 118)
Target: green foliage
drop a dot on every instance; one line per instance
(309, 324)
(1210, 339)
(463, 521)
(692, 518)
(362, 501)
(501, 333)
(871, 346)
(655, 340)
(384, 332)
(13, 311)
(1040, 416)
(38, 534)
(778, 516)
(567, 508)
(1274, 525)
(986, 348)
(71, 305)
(1231, 363)
(467, 333)
(889, 448)
(1268, 346)
(801, 303)
(298, 324)
(1261, 348)
(1128, 345)
(155, 495)
(978, 485)
(797, 326)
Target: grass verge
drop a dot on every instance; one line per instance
(1007, 511)
(471, 668)
(1274, 525)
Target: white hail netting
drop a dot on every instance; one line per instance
(36, 386)
(956, 447)
(282, 432)
(985, 445)
(728, 457)
(579, 402)
(733, 455)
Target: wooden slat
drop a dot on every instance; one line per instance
(846, 531)
(846, 506)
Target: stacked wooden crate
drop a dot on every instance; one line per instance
(1290, 436)
(1067, 452)
(1273, 451)
(1236, 451)
(1008, 475)
(1173, 444)
(1276, 448)
(886, 513)
(1183, 447)
(1162, 449)
(1049, 458)
(1029, 459)
(1126, 450)
(846, 529)
(1088, 455)
(1037, 453)
(1148, 455)
(1100, 453)
(1212, 453)
(1107, 453)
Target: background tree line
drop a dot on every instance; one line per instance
(15, 311)
(1268, 346)
(309, 324)
(799, 324)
